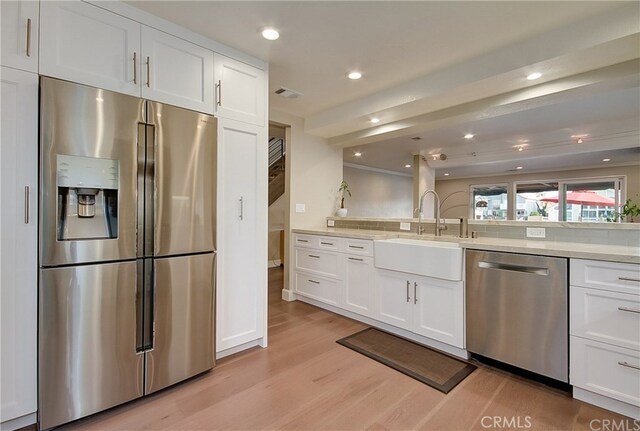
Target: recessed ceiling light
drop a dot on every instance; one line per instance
(579, 141)
(469, 136)
(269, 33)
(518, 167)
(407, 165)
(520, 148)
(355, 75)
(606, 160)
(446, 174)
(534, 76)
(375, 120)
(357, 154)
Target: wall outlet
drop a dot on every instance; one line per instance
(536, 232)
(405, 226)
(300, 208)
(331, 223)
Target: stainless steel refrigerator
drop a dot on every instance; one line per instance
(127, 248)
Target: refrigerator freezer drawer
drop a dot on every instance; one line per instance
(183, 337)
(87, 350)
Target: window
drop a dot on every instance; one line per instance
(489, 202)
(537, 201)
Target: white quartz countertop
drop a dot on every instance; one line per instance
(612, 253)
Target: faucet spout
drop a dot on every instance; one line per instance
(436, 211)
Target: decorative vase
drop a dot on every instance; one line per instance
(342, 212)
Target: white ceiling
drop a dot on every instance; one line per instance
(437, 69)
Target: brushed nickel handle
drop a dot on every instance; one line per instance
(356, 246)
(314, 256)
(631, 310)
(219, 89)
(241, 207)
(26, 204)
(355, 258)
(512, 267)
(314, 282)
(415, 292)
(629, 279)
(135, 67)
(408, 297)
(148, 72)
(302, 240)
(28, 37)
(628, 365)
(326, 243)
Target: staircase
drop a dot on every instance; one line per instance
(276, 168)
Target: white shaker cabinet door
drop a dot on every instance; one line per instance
(394, 303)
(242, 234)
(18, 249)
(82, 43)
(176, 72)
(359, 284)
(439, 310)
(20, 34)
(240, 91)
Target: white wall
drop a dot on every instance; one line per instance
(314, 173)
(377, 193)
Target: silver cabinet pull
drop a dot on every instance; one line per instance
(355, 258)
(148, 72)
(241, 207)
(302, 240)
(326, 243)
(135, 68)
(629, 279)
(314, 282)
(28, 37)
(356, 246)
(314, 256)
(512, 267)
(26, 204)
(415, 292)
(219, 90)
(631, 310)
(628, 365)
(408, 297)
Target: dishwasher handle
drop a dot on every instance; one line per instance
(515, 268)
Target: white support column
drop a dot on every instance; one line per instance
(424, 178)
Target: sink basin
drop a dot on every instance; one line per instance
(415, 256)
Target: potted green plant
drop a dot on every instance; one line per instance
(534, 216)
(343, 190)
(630, 213)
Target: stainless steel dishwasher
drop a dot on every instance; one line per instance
(517, 310)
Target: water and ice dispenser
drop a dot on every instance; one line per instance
(87, 198)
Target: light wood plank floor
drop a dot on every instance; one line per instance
(304, 381)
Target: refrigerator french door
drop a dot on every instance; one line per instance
(127, 248)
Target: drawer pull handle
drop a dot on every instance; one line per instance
(314, 282)
(314, 256)
(302, 240)
(628, 365)
(408, 297)
(629, 279)
(631, 310)
(326, 243)
(356, 246)
(355, 258)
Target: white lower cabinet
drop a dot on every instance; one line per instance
(393, 298)
(358, 284)
(318, 288)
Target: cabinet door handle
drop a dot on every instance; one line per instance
(135, 67)
(314, 256)
(355, 258)
(326, 243)
(241, 207)
(356, 246)
(148, 72)
(631, 310)
(302, 240)
(28, 37)
(26, 204)
(313, 281)
(629, 279)
(219, 90)
(408, 297)
(415, 292)
(628, 365)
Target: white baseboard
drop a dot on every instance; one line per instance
(607, 403)
(288, 295)
(17, 423)
(275, 263)
(233, 350)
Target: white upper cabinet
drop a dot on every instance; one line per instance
(240, 91)
(19, 47)
(85, 44)
(176, 72)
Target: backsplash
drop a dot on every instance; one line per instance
(586, 233)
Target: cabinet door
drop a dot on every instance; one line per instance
(394, 303)
(239, 91)
(439, 310)
(242, 234)
(20, 35)
(18, 249)
(176, 72)
(85, 44)
(359, 284)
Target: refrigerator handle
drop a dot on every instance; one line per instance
(149, 305)
(140, 285)
(149, 191)
(141, 163)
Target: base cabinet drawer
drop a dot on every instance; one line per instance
(609, 317)
(318, 288)
(606, 370)
(317, 261)
(618, 277)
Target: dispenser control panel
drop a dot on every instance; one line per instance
(87, 172)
